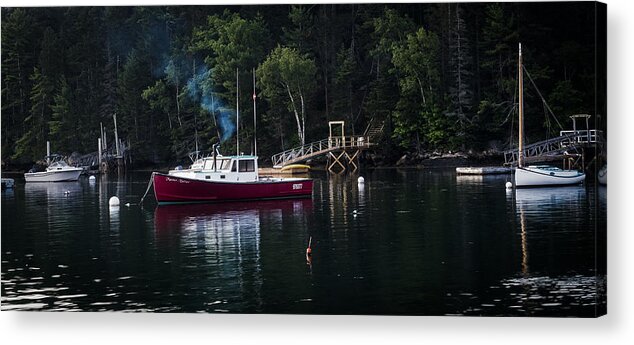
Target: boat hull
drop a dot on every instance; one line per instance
(53, 176)
(535, 177)
(173, 189)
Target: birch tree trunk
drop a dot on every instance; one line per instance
(300, 129)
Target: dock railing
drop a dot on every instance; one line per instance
(582, 137)
(566, 141)
(318, 148)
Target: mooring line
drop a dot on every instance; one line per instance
(148, 188)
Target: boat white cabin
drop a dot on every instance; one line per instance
(221, 169)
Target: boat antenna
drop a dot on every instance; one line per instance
(520, 154)
(196, 135)
(237, 113)
(255, 123)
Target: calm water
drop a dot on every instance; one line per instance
(424, 242)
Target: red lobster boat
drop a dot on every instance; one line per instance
(225, 178)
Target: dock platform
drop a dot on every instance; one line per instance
(483, 170)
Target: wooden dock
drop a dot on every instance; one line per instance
(568, 145)
(277, 172)
(483, 170)
(341, 151)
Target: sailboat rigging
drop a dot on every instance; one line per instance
(538, 175)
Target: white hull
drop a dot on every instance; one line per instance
(535, 176)
(54, 176)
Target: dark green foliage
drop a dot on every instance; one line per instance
(439, 76)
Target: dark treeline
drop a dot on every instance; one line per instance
(440, 76)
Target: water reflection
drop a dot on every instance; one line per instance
(469, 179)
(58, 200)
(197, 217)
(53, 190)
(537, 206)
(602, 194)
(549, 225)
(536, 201)
(225, 240)
(421, 242)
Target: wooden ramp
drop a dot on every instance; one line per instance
(568, 144)
(319, 148)
(341, 150)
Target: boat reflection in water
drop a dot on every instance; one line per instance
(221, 217)
(59, 199)
(548, 222)
(551, 204)
(538, 207)
(218, 248)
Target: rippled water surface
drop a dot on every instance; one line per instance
(422, 242)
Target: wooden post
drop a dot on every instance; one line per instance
(99, 152)
(48, 152)
(588, 128)
(116, 135)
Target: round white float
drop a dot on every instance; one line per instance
(92, 178)
(509, 185)
(113, 202)
(360, 180)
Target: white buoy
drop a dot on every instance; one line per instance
(127, 204)
(92, 178)
(361, 180)
(113, 202)
(509, 185)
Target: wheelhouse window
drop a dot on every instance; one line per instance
(246, 165)
(223, 164)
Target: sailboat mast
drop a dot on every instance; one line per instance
(255, 124)
(520, 156)
(237, 113)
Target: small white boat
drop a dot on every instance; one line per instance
(57, 171)
(538, 175)
(545, 175)
(7, 183)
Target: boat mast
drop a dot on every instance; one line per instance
(237, 113)
(520, 156)
(255, 124)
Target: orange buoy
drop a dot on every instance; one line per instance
(309, 251)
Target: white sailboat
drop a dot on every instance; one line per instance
(538, 175)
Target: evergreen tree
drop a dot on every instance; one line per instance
(32, 144)
(461, 88)
(62, 126)
(17, 61)
(417, 111)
